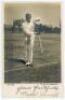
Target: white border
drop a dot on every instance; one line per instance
(62, 37)
(53, 1)
(1, 47)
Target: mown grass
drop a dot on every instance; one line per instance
(46, 66)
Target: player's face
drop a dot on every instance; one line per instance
(28, 17)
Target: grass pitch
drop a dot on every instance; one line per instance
(46, 66)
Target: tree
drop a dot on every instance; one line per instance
(17, 25)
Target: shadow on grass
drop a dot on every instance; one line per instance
(46, 74)
(15, 60)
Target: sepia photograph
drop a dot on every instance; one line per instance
(32, 43)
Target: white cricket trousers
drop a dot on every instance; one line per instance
(30, 48)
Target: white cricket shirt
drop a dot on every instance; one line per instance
(28, 28)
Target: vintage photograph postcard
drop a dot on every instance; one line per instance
(32, 48)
